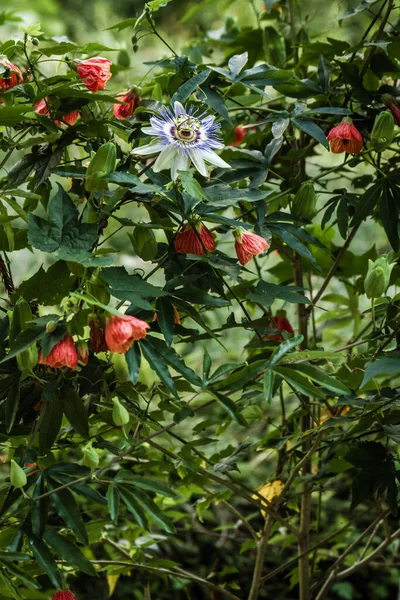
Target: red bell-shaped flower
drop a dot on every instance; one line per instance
(345, 137)
(194, 240)
(248, 244)
(63, 354)
(94, 72)
(122, 331)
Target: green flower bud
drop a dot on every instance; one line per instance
(119, 414)
(51, 326)
(378, 277)
(90, 457)
(144, 242)
(19, 321)
(304, 202)
(17, 476)
(97, 288)
(383, 131)
(103, 162)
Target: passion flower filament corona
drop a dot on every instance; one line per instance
(183, 137)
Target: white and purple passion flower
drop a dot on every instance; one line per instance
(183, 137)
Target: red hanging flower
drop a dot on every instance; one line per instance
(194, 240)
(240, 134)
(43, 107)
(123, 111)
(94, 72)
(122, 331)
(63, 354)
(248, 244)
(345, 137)
(281, 322)
(390, 102)
(64, 595)
(97, 334)
(11, 77)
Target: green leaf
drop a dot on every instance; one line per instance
(215, 102)
(25, 339)
(174, 360)
(67, 509)
(133, 360)
(187, 88)
(130, 287)
(268, 385)
(145, 483)
(39, 508)
(299, 382)
(69, 552)
(166, 318)
(319, 376)
(230, 407)
(12, 402)
(367, 203)
(45, 559)
(113, 501)
(150, 507)
(383, 366)
(48, 287)
(75, 411)
(311, 129)
(157, 363)
(52, 417)
(133, 506)
(266, 293)
(284, 348)
(221, 196)
(155, 5)
(388, 214)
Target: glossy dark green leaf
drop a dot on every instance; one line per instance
(69, 552)
(145, 483)
(113, 501)
(299, 382)
(166, 318)
(51, 421)
(367, 203)
(158, 364)
(45, 559)
(68, 510)
(230, 407)
(75, 411)
(39, 511)
(174, 360)
(323, 379)
(133, 505)
(149, 506)
(311, 129)
(187, 88)
(12, 403)
(133, 360)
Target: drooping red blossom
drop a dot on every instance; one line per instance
(240, 134)
(194, 240)
(63, 354)
(176, 316)
(281, 322)
(11, 77)
(123, 111)
(43, 107)
(345, 137)
(391, 104)
(94, 72)
(248, 244)
(122, 331)
(83, 352)
(64, 595)
(38, 405)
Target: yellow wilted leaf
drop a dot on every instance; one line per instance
(112, 581)
(271, 491)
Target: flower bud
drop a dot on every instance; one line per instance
(119, 414)
(51, 326)
(90, 457)
(102, 163)
(97, 288)
(378, 277)
(144, 242)
(383, 131)
(35, 41)
(82, 350)
(304, 201)
(17, 476)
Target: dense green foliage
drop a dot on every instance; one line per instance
(241, 438)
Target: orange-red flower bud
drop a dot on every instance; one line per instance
(123, 111)
(83, 352)
(43, 108)
(64, 595)
(194, 240)
(248, 244)
(11, 77)
(240, 134)
(94, 72)
(281, 322)
(345, 137)
(63, 354)
(122, 331)
(390, 102)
